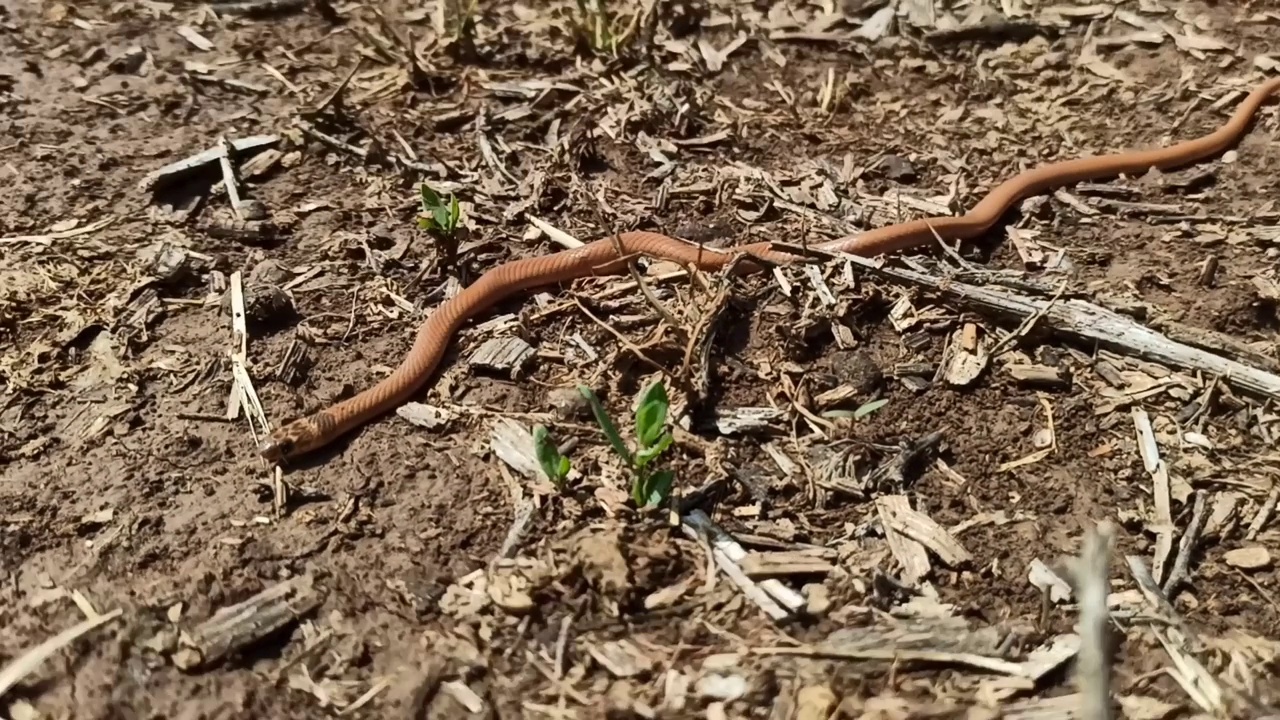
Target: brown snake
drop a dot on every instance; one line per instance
(601, 257)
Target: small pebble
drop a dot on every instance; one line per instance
(1198, 439)
(721, 687)
(814, 703)
(898, 168)
(818, 600)
(1249, 558)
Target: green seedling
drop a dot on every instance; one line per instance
(649, 487)
(554, 465)
(438, 217)
(862, 411)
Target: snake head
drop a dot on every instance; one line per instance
(275, 447)
(298, 437)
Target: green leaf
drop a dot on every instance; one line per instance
(554, 465)
(646, 454)
(651, 414)
(649, 421)
(658, 487)
(869, 408)
(430, 200)
(606, 424)
(455, 212)
(441, 216)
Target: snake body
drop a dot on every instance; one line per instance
(602, 257)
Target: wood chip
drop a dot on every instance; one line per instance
(507, 355)
(622, 658)
(781, 564)
(1041, 376)
(238, 626)
(896, 513)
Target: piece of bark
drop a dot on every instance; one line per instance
(1042, 376)
(238, 626)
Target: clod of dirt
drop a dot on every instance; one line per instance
(268, 272)
(685, 17)
(569, 404)
(166, 262)
(620, 701)
(414, 685)
(266, 304)
(598, 555)
(130, 62)
(898, 168)
(708, 231)
(507, 592)
(856, 369)
(252, 209)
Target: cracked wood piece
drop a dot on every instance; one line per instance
(896, 511)
(622, 658)
(503, 354)
(966, 357)
(1051, 655)
(783, 563)
(1044, 578)
(238, 626)
(911, 554)
(1030, 253)
(1263, 516)
(230, 183)
(513, 443)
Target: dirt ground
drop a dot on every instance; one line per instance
(896, 464)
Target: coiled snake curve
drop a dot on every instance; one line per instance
(601, 257)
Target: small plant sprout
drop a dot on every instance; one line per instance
(649, 487)
(554, 465)
(862, 411)
(868, 408)
(438, 217)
